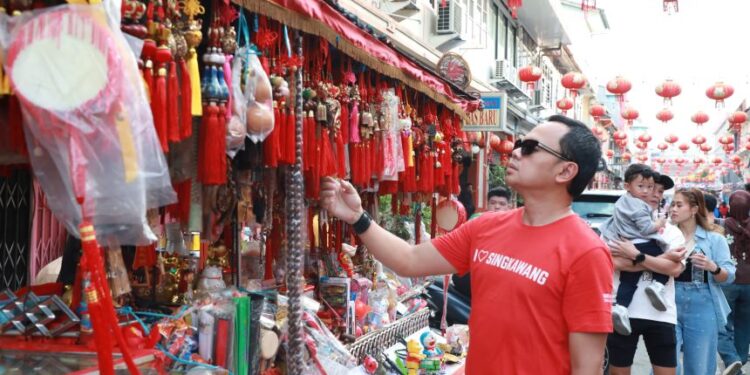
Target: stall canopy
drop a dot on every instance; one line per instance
(318, 18)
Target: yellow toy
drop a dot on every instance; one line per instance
(414, 357)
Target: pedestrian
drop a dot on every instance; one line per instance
(633, 220)
(541, 279)
(656, 327)
(702, 308)
(711, 203)
(723, 210)
(734, 341)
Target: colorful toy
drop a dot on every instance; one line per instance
(432, 363)
(414, 357)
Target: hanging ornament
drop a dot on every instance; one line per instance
(684, 147)
(719, 91)
(726, 140)
(597, 111)
(736, 120)
(671, 139)
(660, 160)
(728, 148)
(620, 135)
(717, 161)
(698, 140)
(642, 158)
(506, 147)
(699, 118)
(698, 161)
(747, 146)
(641, 145)
(573, 81)
(625, 156)
(645, 138)
(495, 143)
(662, 146)
(530, 74)
(736, 159)
(514, 5)
(668, 90)
(598, 132)
(665, 115)
(610, 153)
(671, 6)
(588, 5)
(564, 105)
(619, 87)
(705, 147)
(629, 114)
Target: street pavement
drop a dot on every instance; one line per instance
(642, 366)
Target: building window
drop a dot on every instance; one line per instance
(513, 45)
(494, 44)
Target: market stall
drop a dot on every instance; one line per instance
(184, 166)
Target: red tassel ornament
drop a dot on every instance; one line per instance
(186, 117)
(290, 141)
(340, 155)
(173, 109)
(327, 160)
(271, 143)
(159, 108)
(213, 163)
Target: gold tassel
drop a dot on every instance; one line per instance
(195, 83)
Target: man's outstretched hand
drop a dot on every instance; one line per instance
(340, 199)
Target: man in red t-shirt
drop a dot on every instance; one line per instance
(541, 279)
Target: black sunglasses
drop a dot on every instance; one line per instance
(529, 146)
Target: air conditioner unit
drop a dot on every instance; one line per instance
(450, 18)
(504, 70)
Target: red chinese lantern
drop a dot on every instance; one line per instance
(495, 142)
(514, 5)
(665, 115)
(641, 145)
(622, 143)
(530, 74)
(680, 161)
(660, 160)
(662, 146)
(705, 148)
(747, 146)
(629, 114)
(737, 119)
(573, 81)
(625, 156)
(670, 5)
(699, 118)
(597, 111)
(619, 86)
(736, 159)
(668, 90)
(719, 91)
(610, 153)
(698, 161)
(641, 158)
(506, 147)
(645, 138)
(684, 147)
(564, 105)
(728, 148)
(726, 140)
(671, 139)
(597, 131)
(699, 140)
(607, 122)
(620, 135)
(717, 161)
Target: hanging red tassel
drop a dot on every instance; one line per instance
(328, 162)
(213, 132)
(173, 109)
(379, 165)
(147, 54)
(282, 134)
(15, 124)
(159, 109)
(344, 122)
(186, 117)
(340, 155)
(271, 143)
(308, 145)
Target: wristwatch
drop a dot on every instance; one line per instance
(362, 224)
(639, 258)
(718, 270)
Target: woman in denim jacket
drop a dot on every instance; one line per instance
(702, 308)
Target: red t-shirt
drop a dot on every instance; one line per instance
(530, 286)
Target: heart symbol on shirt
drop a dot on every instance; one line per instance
(483, 255)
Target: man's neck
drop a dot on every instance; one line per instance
(543, 208)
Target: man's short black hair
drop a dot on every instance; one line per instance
(710, 201)
(581, 146)
(500, 192)
(747, 186)
(635, 170)
(663, 180)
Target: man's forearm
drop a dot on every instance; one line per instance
(654, 264)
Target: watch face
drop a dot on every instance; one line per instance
(453, 68)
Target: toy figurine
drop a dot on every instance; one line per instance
(370, 365)
(414, 357)
(433, 362)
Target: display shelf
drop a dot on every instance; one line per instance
(374, 342)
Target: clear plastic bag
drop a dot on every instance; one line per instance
(237, 126)
(259, 96)
(88, 124)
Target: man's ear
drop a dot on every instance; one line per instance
(567, 173)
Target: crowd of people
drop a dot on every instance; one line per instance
(549, 295)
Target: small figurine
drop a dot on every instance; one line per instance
(434, 361)
(414, 357)
(370, 365)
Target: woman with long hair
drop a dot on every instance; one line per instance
(734, 342)
(701, 307)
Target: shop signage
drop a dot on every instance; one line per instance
(492, 117)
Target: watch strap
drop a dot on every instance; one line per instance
(362, 224)
(718, 270)
(639, 258)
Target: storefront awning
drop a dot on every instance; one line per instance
(318, 18)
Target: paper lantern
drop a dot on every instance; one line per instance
(684, 147)
(736, 159)
(625, 156)
(645, 138)
(717, 161)
(726, 140)
(506, 147)
(699, 118)
(620, 135)
(718, 92)
(629, 114)
(699, 140)
(564, 105)
(670, 6)
(641, 158)
(530, 74)
(619, 87)
(747, 146)
(495, 142)
(641, 145)
(662, 146)
(737, 119)
(705, 148)
(573, 81)
(610, 154)
(671, 139)
(660, 160)
(728, 148)
(597, 111)
(664, 115)
(668, 90)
